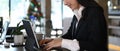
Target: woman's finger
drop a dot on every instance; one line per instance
(45, 41)
(49, 46)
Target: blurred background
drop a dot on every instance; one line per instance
(52, 18)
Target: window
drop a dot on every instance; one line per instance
(56, 17)
(18, 11)
(56, 13)
(59, 12)
(4, 9)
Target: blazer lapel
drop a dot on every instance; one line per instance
(80, 23)
(82, 20)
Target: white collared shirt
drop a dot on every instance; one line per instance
(73, 45)
(78, 13)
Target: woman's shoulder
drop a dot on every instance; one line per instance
(93, 10)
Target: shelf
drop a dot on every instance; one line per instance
(114, 27)
(114, 17)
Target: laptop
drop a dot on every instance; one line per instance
(31, 43)
(4, 31)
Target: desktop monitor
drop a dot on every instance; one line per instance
(4, 31)
(1, 23)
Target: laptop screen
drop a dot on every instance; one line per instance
(31, 41)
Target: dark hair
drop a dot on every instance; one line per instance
(87, 3)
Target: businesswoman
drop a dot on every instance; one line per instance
(88, 30)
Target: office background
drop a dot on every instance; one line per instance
(56, 16)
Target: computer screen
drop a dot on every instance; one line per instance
(4, 31)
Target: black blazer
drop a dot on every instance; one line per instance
(91, 31)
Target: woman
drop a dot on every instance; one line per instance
(88, 30)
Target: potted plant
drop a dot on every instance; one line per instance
(18, 35)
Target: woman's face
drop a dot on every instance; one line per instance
(73, 4)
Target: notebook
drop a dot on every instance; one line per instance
(31, 43)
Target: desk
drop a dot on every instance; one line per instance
(20, 48)
(10, 48)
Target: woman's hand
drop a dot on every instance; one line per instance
(44, 41)
(53, 44)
